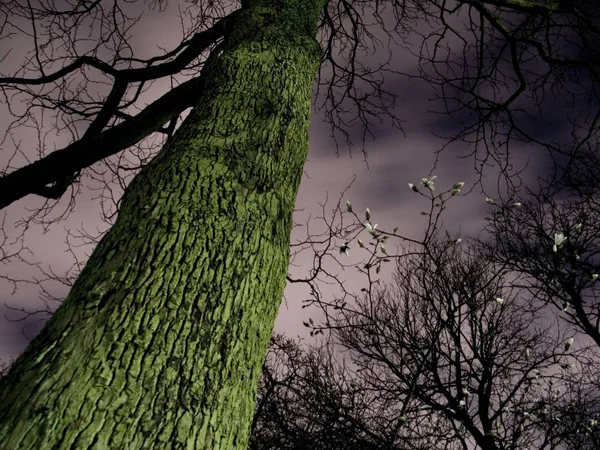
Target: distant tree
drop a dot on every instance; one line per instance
(306, 401)
(554, 245)
(309, 399)
(451, 355)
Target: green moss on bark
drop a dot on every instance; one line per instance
(160, 342)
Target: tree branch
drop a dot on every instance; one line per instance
(200, 42)
(62, 164)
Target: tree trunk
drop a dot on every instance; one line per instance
(160, 342)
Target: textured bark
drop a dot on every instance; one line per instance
(159, 344)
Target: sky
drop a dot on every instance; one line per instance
(395, 158)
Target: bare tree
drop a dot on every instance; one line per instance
(309, 399)
(161, 339)
(453, 353)
(554, 244)
(305, 401)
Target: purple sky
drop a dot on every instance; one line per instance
(394, 161)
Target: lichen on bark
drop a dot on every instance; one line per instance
(160, 342)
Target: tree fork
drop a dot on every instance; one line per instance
(160, 343)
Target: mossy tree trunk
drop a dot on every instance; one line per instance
(160, 342)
